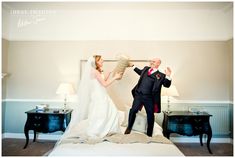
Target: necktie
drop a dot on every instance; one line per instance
(150, 71)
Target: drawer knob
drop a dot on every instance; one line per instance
(37, 117)
(36, 124)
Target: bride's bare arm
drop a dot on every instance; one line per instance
(108, 82)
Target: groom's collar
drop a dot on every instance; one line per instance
(154, 69)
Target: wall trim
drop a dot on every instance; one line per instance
(33, 100)
(163, 101)
(173, 139)
(193, 39)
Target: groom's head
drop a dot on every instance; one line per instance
(155, 63)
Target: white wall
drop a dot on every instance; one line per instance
(124, 22)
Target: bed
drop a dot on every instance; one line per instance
(164, 147)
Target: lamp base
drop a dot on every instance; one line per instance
(65, 109)
(168, 111)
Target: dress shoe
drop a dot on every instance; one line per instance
(127, 131)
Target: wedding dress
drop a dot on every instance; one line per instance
(96, 115)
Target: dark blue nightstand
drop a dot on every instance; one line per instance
(188, 123)
(47, 121)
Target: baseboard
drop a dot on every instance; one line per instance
(39, 136)
(196, 140)
(173, 139)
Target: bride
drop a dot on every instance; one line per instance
(96, 115)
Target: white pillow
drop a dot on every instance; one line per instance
(127, 110)
(121, 117)
(126, 114)
(140, 123)
(157, 129)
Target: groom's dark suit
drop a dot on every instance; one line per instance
(147, 93)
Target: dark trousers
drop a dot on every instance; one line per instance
(147, 101)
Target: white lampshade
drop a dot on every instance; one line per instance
(65, 89)
(170, 92)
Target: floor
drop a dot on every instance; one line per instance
(195, 149)
(14, 147)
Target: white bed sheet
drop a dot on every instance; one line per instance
(113, 149)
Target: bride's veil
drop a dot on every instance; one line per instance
(81, 110)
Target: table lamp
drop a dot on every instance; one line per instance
(169, 92)
(65, 89)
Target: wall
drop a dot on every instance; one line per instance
(5, 44)
(230, 63)
(201, 72)
(199, 68)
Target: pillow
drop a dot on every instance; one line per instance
(126, 116)
(122, 64)
(127, 110)
(140, 123)
(121, 117)
(157, 129)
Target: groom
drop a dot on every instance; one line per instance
(147, 93)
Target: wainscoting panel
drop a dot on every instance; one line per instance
(221, 121)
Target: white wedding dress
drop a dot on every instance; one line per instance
(96, 116)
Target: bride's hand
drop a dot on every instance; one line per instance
(118, 75)
(130, 64)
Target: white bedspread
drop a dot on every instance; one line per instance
(114, 149)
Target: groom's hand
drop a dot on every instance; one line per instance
(168, 71)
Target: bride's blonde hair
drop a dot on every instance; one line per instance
(97, 58)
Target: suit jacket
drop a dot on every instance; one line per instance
(159, 80)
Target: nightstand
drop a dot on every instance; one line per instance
(187, 123)
(47, 121)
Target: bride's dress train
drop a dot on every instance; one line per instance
(102, 118)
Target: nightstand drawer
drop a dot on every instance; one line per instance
(199, 120)
(37, 126)
(37, 122)
(36, 117)
(179, 120)
(198, 129)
